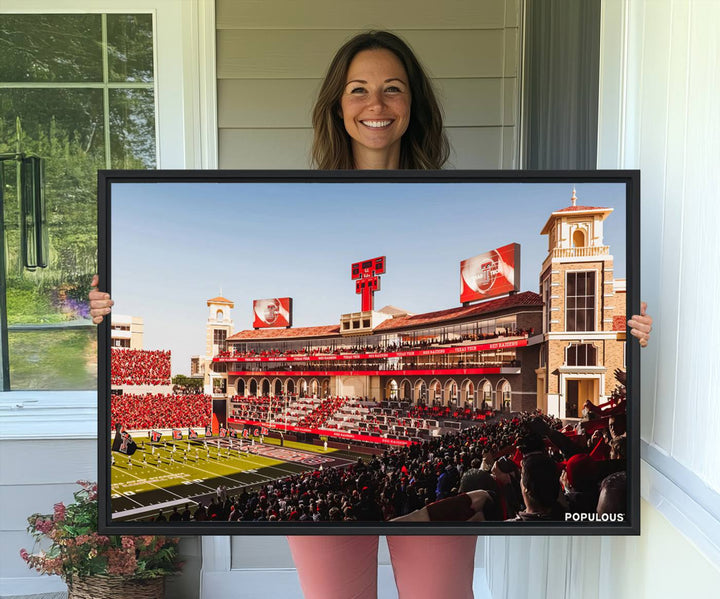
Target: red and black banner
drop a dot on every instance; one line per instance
(177, 434)
(408, 353)
(192, 434)
(208, 431)
(123, 443)
(155, 436)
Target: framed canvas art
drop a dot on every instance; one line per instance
(369, 352)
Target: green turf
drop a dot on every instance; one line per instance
(151, 475)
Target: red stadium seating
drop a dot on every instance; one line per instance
(139, 367)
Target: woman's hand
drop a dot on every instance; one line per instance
(100, 302)
(641, 325)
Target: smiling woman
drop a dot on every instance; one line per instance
(375, 108)
(364, 109)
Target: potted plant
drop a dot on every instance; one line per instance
(93, 566)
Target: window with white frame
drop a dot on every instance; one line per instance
(580, 301)
(78, 91)
(581, 354)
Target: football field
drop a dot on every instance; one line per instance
(159, 476)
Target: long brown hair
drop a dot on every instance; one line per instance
(424, 144)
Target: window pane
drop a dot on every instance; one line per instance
(132, 128)
(54, 122)
(53, 359)
(66, 127)
(571, 324)
(130, 47)
(571, 276)
(571, 355)
(50, 48)
(590, 290)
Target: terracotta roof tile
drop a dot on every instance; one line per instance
(220, 300)
(526, 298)
(322, 331)
(579, 208)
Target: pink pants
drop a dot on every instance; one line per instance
(345, 567)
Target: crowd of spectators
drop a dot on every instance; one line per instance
(326, 409)
(427, 364)
(160, 410)
(139, 367)
(439, 412)
(306, 412)
(414, 344)
(530, 466)
(332, 412)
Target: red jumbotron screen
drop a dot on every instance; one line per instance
(367, 268)
(493, 273)
(273, 312)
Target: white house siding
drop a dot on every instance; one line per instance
(271, 57)
(659, 84)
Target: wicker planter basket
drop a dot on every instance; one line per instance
(112, 587)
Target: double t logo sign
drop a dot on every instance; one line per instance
(366, 280)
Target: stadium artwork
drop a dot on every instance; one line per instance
(340, 406)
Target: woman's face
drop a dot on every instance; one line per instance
(375, 107)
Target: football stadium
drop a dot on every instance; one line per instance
(385, 414)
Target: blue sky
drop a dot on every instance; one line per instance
(175, 245)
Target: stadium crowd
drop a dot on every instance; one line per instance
(530, 466)
(387, 347)
(364, 365)
(139, 367)
(318, 416)
(160, 410)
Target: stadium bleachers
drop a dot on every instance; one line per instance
(139, 367)
(160, 410)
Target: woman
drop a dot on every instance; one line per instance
(377, 110)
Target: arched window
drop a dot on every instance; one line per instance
(219, 315)
(581, 354)
(393, 390)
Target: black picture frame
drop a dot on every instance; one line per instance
(630, 179)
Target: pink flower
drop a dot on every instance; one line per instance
(59, 509)
(24, 555)
(128, 543)
(43, 526)
(121, 562)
